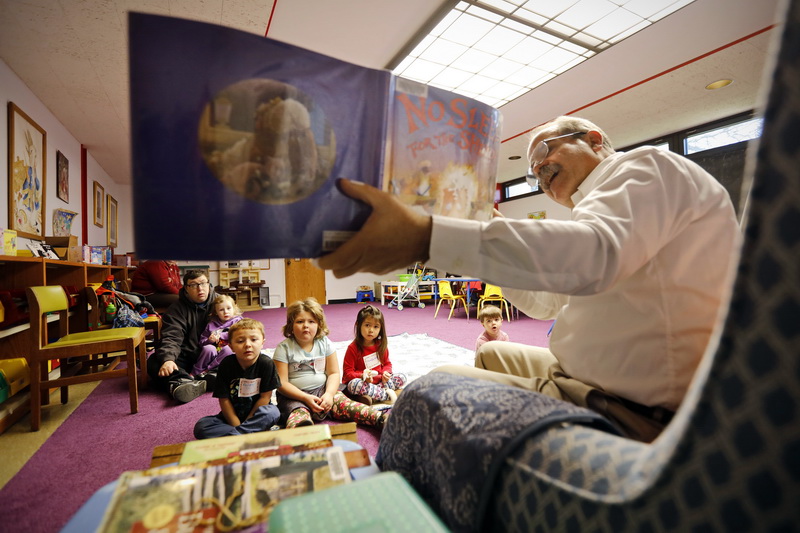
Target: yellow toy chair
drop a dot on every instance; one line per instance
(446, 294)
(74, 351)
(493, 293)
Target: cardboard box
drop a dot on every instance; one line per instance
(66, 247)
(9, 242)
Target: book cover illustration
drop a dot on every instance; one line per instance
(239, 139)
(201, 451)
(219, 498)
(441, 151)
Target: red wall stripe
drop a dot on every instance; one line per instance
(698, 58)
(271, 14)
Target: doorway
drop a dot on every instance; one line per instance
(303, 280)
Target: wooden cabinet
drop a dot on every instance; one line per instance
(239, 275)
(19, 273)
(243, 285)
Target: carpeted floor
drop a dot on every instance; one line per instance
(101, 438)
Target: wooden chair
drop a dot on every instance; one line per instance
(493, 293)
(446, 294)
(74, 351)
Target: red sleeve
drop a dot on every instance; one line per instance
(387, 364)
(353, 365)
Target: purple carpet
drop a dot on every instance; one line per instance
(101, 439)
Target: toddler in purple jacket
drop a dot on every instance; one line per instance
(214, 339)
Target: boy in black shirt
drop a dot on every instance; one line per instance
(244, 386)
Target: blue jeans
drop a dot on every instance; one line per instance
(213, 426)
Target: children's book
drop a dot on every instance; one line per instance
(201, 451)
(228, 497)
(394, 504)
(238, 141)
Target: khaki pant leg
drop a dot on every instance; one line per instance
(514, 364)
(537, 369)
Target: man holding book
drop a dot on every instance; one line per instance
(636, 278)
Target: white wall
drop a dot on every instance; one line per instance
(12, 89)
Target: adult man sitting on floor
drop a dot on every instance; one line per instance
(170, 366)
(640, 271)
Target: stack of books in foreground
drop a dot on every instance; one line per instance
(230, 483)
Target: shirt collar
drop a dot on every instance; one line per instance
(594, 178)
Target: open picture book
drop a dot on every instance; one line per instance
(238, 141)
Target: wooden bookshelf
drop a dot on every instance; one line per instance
(19, 273)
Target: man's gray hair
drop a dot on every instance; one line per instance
(567, 124)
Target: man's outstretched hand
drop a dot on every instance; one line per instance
(393, 237)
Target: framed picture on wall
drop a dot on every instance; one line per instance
(27, 165)
(99, 193)
(111, 221)
(62, 222)
(62, 176)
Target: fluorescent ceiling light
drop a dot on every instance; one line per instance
(497, 50)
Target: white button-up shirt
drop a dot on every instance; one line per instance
(639, 272)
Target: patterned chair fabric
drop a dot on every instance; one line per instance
(449, 435)
(730, 460)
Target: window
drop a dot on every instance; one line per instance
(518, 188)
(723, 135)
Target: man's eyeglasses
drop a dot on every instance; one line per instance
(540, 152)
(195, 286)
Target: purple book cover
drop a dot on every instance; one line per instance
(238, 141)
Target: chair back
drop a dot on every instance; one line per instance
(492, 292)
(41, 301)
(50, 298)
(445, 290)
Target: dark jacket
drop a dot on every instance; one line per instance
(183, 323)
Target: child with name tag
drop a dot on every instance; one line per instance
(367, 370)
(244, 386)
(309, 371)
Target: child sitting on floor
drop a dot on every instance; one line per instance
(309, 370)
(492, 318)
(367, 370)
(214, 339)
(244, 386)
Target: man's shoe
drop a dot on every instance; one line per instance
(189, 390)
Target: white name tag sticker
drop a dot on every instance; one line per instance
(371, 360)
(249, 387)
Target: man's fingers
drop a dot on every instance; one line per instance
(356, 190)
